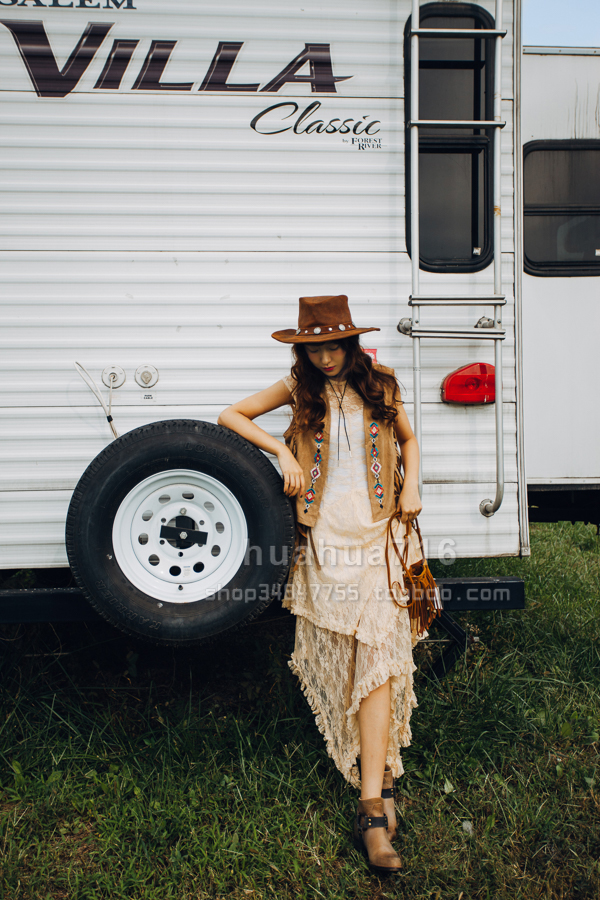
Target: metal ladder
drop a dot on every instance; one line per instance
(494, 331)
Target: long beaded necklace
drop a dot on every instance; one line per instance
(341, 416)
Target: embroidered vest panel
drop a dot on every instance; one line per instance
(311, 449)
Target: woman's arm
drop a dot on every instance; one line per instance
(238, 418)
(410, 501)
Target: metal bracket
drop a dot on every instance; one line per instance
(486, 508)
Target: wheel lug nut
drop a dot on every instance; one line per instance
(182, 511)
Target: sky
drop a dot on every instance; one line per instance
(561, 23)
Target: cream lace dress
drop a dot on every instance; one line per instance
(350, 635)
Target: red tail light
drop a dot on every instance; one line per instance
(470, 384)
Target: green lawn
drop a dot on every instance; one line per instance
(134, 772)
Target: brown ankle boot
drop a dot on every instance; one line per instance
(382, 858)
(389, 802)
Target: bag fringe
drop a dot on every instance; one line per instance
(424, 603)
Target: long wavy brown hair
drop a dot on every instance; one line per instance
(368, 382)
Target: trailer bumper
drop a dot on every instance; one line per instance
(69, 604)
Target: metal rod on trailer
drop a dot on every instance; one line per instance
(414, 223)
(456, 301)
(447, 333)
(456, 123)
(487, 507)
(453, 33)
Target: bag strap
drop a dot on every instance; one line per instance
(389, 536)
(415, 526)
(403, 559)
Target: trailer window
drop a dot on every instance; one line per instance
(455, 165)
(561, 193)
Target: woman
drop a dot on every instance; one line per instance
(353, 651)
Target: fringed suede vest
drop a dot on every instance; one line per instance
(311, 449)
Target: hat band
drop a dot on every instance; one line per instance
(325, 329)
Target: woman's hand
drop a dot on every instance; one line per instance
(410, 502)
(293, 476)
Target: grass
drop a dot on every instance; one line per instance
(134, 772)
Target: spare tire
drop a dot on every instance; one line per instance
(179, 530)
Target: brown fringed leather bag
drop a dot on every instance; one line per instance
(424, 602)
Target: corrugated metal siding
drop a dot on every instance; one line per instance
(33, 528)
(205, 321)
(169, 176)
(175, 176)
(442, 503)
(159, 228)
(51, 447)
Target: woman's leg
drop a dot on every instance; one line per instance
(374, 726)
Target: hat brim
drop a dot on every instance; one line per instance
(290, 335)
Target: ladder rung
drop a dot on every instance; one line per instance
(444, 331)
(459, 32)
(456, 123)
(491, 300)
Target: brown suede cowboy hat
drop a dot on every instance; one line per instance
(321, 319)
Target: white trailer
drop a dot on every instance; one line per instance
(175, 176)
(561, 315)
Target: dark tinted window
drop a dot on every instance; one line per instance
(452, 83)
(452, 205)
(455, 186)
(561, 187)
(563, 176)
(560, 239)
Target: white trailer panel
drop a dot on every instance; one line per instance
(159, 227)
(561, 315)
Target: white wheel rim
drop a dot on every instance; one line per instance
(172, 561)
